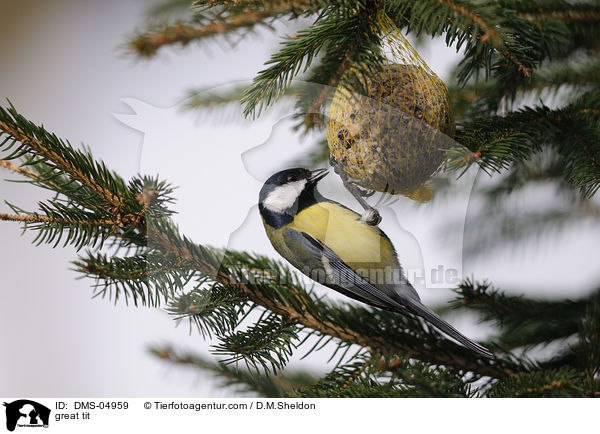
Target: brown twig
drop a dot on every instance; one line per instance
(100, 271)
(39, 147)
(35, 218)
(147, 44)
(488, 32)
(324, 326)
(182, 254)
(356, 374)
(545, 388)
(567, 16)
(28, 173)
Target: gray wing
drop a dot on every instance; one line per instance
(353, 285)
(340, 276)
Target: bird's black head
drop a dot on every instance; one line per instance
(288, 192)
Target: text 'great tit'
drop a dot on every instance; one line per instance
(333, 246)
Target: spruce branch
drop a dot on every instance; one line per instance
(19, 129)
(563, 383)
(287, 298)
(148, 43)
(589, 340)
(521, 48)
(46, 183)
(34, 218)
(347, 62)
(486, 33)
(268, 344)
(64, 223)
(87, 191)
(506, 229)
(146, 279)
(211, 308)
(268, 386)
(311, 105)
(355, 378)
(205, 99)
(370, 374)
(523, 321)
(296, 54)
(427, 380)
(496, 143)
(437, 16)
(218, 18)
(578, 75)
(578, 12)
(168, 8)
(580, 71)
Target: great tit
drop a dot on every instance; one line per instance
(332, 245)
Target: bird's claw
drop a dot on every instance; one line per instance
(365, 193)
(371, 217)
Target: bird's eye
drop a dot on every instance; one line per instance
(292, 178)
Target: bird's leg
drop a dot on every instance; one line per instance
(371, 216)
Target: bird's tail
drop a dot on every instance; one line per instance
(423, 311)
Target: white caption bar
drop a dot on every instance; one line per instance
(148, 415)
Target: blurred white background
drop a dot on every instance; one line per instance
(62, 66)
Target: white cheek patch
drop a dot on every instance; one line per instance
(284, 196)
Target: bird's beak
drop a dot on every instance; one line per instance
(317, 175)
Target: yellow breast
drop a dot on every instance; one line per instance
(355, 242)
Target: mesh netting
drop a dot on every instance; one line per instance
(392, 138)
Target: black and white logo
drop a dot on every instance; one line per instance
(26, 413)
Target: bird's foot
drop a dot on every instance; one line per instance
(371, 217)
(364, 192)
